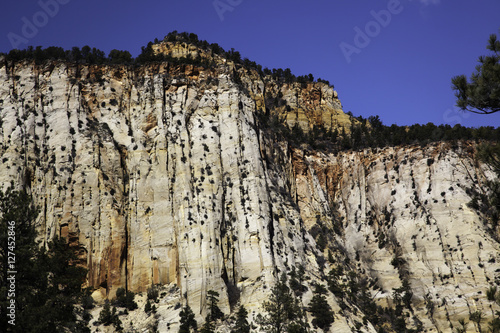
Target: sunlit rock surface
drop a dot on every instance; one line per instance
(161, 175)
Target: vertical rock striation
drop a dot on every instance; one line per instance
(160, 174)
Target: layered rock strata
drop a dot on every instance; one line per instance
(161, 175)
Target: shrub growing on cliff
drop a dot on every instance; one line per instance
(153, 293)
(477, 317)
(108, 316)
(494, 325)
(148, 308)
(105, 316)
(490, 154)
(125, 299)
(491, 294)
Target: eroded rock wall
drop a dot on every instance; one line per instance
(157, 174)
(410, 204)
(160, 174)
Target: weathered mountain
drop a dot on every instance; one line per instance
(161, 174)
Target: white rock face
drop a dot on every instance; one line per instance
(161, 175)
(410, 203)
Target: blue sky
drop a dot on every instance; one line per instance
(400, 69)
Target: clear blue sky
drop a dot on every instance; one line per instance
(403, 74)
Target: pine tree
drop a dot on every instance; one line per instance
(283, 313)
(209, 326)
(187, 320)
(241, 325)
(214, 311)
(320, 309)
(482, 94)
(116, 320)
(108, 316)
(296, 281)
(17, 216)
(119, 57)
(48, 282)
(105, 316)
(490, 154)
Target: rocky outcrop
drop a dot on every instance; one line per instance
(157, 173)
(161, 174)
(304, 104)
(404, 217)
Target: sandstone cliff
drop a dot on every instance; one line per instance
(161, 174)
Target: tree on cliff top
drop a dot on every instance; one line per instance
(482, 94)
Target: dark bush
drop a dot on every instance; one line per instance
(125, 299)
